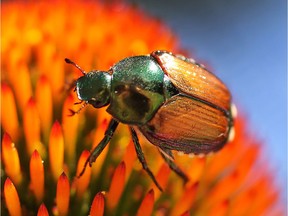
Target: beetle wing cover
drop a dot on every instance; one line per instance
(188, 125)
(193, 79)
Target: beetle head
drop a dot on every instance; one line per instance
(94, 88)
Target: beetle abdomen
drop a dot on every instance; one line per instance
(188, 125)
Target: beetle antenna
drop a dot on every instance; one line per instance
(68, 61)
(72, 112)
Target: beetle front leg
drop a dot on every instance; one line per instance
(141, 157)
(100, 147)
(168, 158)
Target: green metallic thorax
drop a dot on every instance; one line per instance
(137, 90)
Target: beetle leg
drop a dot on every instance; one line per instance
(100, 147)
(166, 153)
(72, 112)
(168, 158)
(141, 157)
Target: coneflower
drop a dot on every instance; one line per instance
(44, 149)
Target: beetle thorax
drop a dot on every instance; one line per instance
(136, 90)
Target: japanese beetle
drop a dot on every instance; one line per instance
(176, 103)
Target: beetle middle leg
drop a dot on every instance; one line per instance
(168, 158)
(141, 157)
(100, 147)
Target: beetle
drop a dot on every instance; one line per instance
(174, 102)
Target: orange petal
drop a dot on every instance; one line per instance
(197, 166)
(22, 84)
(48, 53)
(162, 178)
(186, 201)
(241, 203)
(45, 52)
(219, 209)
(186, 213)
(83, 181)
(147, 204)
(97, 207)
(232, 181)
(42, 211)
(31, 124)
(37, 176)
(245, 164)
(222, 189)
(117, 186)
(261, 202)
(11, 159)
(15, 56)
(63, 194)
(55, 71)
(57, 78)
(129, 158)
(9, 117)
(215, 165)
(11, 198)
(70, 128)
(264, 205)
(56, 150)
(44, 104)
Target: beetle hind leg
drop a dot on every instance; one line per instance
(142, 159)
(169, 159)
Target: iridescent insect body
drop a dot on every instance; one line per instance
(174, 102)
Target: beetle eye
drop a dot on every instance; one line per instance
(97, 103)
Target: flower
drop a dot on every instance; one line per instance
(44, 149)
